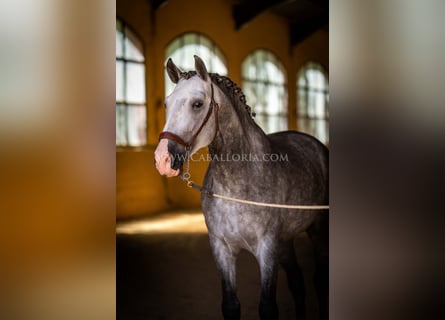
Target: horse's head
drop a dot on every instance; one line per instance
(191, 118)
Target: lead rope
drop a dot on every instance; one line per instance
(186, 177)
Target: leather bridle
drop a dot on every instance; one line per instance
(188, 145)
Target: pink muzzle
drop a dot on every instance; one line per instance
(163, 160)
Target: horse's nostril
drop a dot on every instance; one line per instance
(177, 155)
(176, 162)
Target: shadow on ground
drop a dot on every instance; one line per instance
(173, 276)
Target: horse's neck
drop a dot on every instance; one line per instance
(238, 134)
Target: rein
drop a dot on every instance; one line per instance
(185, 176)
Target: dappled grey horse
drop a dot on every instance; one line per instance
(206, 109)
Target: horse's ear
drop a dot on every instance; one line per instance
(173, 72)
(200, 68)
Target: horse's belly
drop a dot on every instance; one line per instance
(295, 223)
(245, 230)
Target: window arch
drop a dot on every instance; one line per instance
(264, 84)
(313, 101)
(182, 49)
(130, 88)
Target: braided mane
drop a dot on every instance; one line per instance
(229, 87)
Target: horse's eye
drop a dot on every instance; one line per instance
(196, 105)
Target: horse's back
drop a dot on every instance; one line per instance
(297, 139)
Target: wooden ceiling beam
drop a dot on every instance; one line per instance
(300, 31)
(249, 9)
(155, 4)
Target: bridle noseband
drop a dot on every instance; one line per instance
(188, 145)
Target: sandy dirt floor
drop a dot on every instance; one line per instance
(165, 270)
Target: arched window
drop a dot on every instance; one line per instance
(313, 102)
(130, 88)
(264, 84)
(182, 49)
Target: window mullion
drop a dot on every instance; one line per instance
(124, 49)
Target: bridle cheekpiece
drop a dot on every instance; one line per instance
(189, 145)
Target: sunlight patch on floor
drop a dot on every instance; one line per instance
(178, 222)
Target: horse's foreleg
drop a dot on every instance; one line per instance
(225, 258)
(267, 259)
(295, 279)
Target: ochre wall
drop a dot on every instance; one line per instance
(140, 189)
